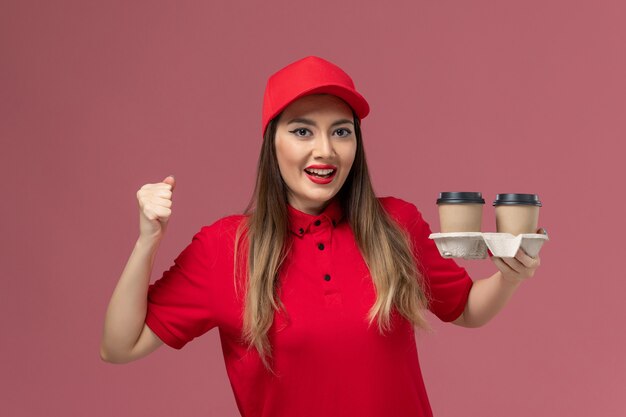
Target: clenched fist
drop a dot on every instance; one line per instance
(155, 207)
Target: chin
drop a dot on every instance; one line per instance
(319, 199)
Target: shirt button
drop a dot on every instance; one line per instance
(301, 230)
(317, 222)
(327, 277)
(320, 246)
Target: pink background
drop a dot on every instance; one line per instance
(99, 98)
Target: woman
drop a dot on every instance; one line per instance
(317, 288)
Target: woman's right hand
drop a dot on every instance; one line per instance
(155, 208)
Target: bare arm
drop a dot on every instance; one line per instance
(488, 296)
(126, 337)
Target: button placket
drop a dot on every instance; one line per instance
(322, 235)
(332, 293)
(323, 242)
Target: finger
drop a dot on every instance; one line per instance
(524, 258)
(163, 213)
(170, 180)
(164, 193)
(527, 260)
(506, 270)
(503, 266)
(163, 186)
(514, 264)
(163, 202)
(508, 273)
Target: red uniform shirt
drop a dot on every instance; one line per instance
(329, 363)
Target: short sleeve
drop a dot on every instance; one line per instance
(447, 283)
(179, 307)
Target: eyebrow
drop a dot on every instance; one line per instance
(312, 123)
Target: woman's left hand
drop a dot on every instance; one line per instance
(519, 268)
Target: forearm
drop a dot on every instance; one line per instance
(486, 298)
(126, 312)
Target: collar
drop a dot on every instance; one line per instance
(301, 223)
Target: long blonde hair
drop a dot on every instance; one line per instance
(384, 245)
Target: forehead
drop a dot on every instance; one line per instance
(318, 104)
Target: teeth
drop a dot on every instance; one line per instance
(320, 171)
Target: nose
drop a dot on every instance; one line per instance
(323, 147)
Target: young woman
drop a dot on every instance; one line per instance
(317, 288)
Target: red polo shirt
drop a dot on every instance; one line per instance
(329, 363)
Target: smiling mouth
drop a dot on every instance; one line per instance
(321, 173)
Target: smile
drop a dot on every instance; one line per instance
(320, 176)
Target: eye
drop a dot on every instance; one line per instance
(301, 131)
(343, 132)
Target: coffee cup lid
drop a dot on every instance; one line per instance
(460, 198)
(515, 199)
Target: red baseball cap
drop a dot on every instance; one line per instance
(310, 75)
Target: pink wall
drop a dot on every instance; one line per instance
(98, 99)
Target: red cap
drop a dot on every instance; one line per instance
(310, 75)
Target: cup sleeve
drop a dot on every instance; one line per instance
(447, 284)
(179, 307)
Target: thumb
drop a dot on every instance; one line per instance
(170, 180)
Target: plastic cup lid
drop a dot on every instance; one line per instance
(460, 198)
(515, 199)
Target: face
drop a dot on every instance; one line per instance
(315, 147)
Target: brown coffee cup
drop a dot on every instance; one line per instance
(517, 213)
(460, 211)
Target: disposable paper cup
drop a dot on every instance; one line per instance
(517, 213)
(460, 211)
